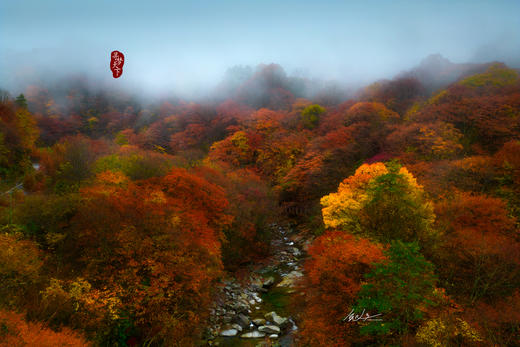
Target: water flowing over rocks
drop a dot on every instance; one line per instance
(240, 311)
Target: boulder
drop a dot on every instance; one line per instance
(276, 319)
(238, 327)
(229, 332)
(290, 279)
(269, 329)
(243, 320)
(252, 335)
(259, 321)
(240, 306)
(296, 251)
(268, 282)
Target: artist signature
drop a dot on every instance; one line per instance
(363, 316)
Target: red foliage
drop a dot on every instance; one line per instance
(372, 112)
(500, 321)
(334, 271)
(508, 158)
(480, 248)
(398, 94)
(157, 244)
(17, 332)
(251, 206)
(489, 120)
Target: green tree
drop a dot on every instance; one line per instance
(397, 208)
(310, 116)
(383, 202)
(401, 290)
(21, 101)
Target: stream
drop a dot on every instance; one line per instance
(257, 311)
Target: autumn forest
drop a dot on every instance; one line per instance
(274, 213)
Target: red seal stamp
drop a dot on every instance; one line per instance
(117, 60)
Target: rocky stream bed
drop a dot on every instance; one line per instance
(256, 311)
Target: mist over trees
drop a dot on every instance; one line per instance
(121, 214)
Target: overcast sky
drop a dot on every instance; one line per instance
(191, 43)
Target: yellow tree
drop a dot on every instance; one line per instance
(383, 202)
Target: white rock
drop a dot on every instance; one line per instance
(296, 251)
(237, 327)
(252, 335)
(276, 319)
(269, 329)
(229, 332)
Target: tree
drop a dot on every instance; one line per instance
(383, 202)
(325, 161)
(428, 141)
(234, 149)
(499, 321)
(334, 273)
(27, 128)
(21, 101)
(135, 163)
(341, 209)
(371, 112)
(159, 239)
(131, 259)
(279, 153)
(18, 134)
(400, 289)
(447, 331)
(483, 107)
(16, 331)
(497, 75)
(398, 94)
(310, 116)
(252, 206)
(20, 265)
(479, 258)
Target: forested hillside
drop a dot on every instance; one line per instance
(121, 220)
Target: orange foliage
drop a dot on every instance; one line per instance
(234, 149)
(16, 332)
(251, 205)
(20, 264)
(334, 271)
(481, 247)
(428, 141)
(487, 120)
(156, 243)
(371, 112)
(266, 121)
(508, 158)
